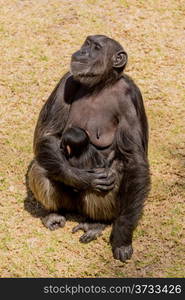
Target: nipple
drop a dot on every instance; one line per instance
(98, 134)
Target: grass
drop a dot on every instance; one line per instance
(37, 40)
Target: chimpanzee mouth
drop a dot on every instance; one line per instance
(78, 72)
(87, 75)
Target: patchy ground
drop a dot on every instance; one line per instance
(37, 39)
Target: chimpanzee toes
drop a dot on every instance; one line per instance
(80, 226)
(123, 253)
(89, 236)
(54, 221)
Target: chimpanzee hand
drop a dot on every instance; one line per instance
(103, 179)
(97, 179)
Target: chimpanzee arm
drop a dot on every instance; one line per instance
(51, 123)
(132, 141)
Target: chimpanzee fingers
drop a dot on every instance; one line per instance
(98, 171)
(101, 173)
(104, 185)
(123, 253)
(100, 176)
(103, 181)
(104, 188)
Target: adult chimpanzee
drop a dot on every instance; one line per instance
(96, 96)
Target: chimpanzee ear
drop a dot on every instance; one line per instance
(120, 59)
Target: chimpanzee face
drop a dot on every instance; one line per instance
(96, 59)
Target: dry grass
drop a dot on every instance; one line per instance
(37, 39)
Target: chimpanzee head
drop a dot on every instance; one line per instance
(75, 141)
(100, 59)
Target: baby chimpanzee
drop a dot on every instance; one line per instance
(79, 151)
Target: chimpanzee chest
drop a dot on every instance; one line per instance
(98, 116)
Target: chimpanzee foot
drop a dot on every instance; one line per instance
(123, 253)
(92, 231)
(54, 221)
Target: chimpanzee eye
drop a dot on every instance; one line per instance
(97, 47)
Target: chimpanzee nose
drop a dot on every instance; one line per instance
(76, 56)
(84, 52)
(80, 55)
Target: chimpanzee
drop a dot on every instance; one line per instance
(98, 97)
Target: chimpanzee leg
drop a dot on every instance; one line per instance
(46, 192)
